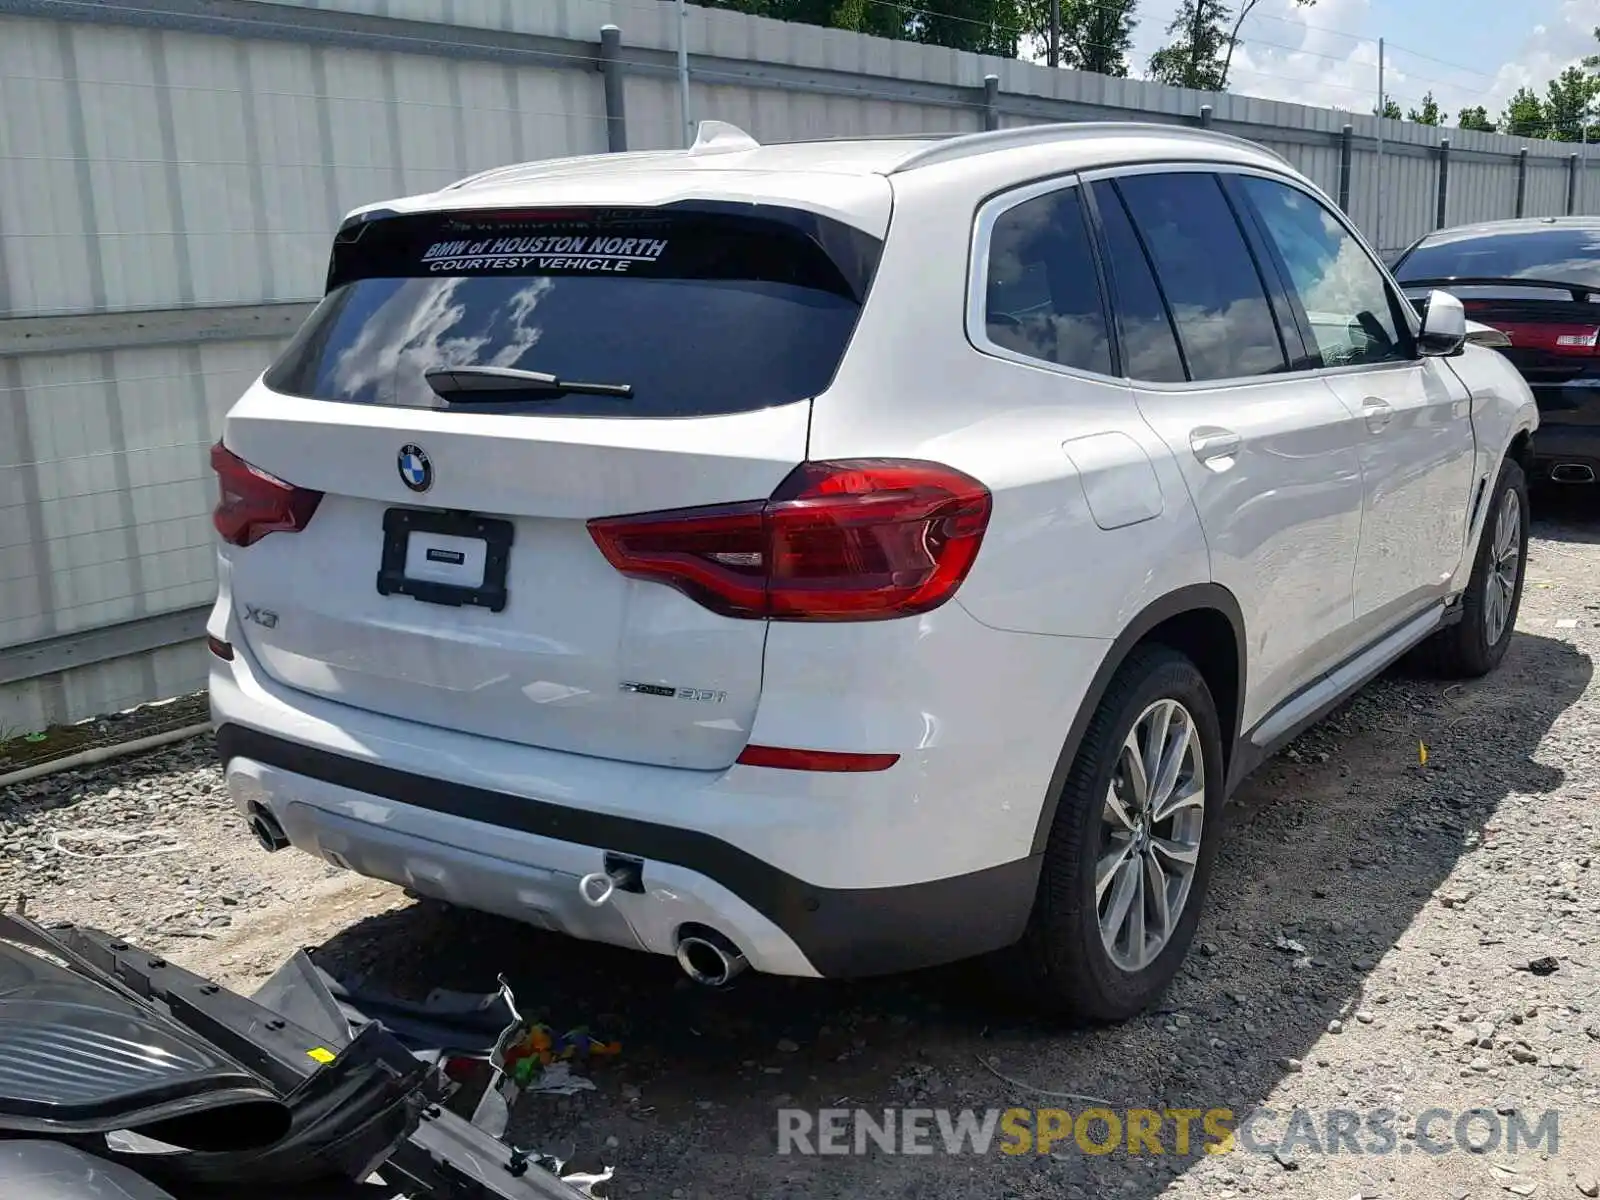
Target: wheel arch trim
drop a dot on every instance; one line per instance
(1199, 597)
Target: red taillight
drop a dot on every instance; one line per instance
(856, 540)
(814, 760)
(1579, 341)
(220, 648)
(252, 504)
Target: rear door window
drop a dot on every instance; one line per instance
(1144, 326)
(1207, 274)
(698, 313)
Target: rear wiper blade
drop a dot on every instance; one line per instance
(492, 385)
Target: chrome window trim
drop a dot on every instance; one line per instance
(993, 207)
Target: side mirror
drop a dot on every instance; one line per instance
(1444, 325)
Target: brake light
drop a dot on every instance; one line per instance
(1578, 340)
(855, 540)
(252, 503)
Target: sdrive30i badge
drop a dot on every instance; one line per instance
(705, 695)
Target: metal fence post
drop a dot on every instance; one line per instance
(1444, 182)
(1346, 152)
(611, 73)
(1206, 113)
(991, 102)
(1572, 184)
(1522, 180)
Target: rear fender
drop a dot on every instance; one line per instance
(1200, 596)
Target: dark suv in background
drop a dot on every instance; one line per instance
(1538, 282)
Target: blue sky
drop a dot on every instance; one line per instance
(1326, 54)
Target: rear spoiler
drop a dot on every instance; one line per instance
(1580, 292)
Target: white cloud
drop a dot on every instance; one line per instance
(1548, 51)
(1321, 56)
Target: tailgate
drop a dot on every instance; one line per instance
(447, 574)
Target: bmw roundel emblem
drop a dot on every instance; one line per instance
(416, 471)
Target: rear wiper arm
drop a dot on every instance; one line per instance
(493, 385)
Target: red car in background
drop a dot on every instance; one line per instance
(1537, 281)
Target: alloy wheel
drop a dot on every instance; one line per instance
(1150, 830)
(1505, 563)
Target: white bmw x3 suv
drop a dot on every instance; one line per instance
(847, 556)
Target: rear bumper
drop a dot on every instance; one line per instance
(1556, 446)
(836, 875)
(523, 859)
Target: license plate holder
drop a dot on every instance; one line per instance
(447, 540)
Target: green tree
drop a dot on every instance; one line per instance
(1568, 98)
(1195, 56)
(1475, 118)
(1206, 33)
(984, 26)
(1096, 35)
(1429, 114)
(1524, 116)
(1391, 110)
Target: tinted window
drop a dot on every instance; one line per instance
(1144, 329)
(1343, 294)
(1207, 274)
(1551, 252)
(699, 313)
(1042, 295)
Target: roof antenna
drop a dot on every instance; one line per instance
(719, 137)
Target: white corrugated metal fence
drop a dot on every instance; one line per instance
(171, 172)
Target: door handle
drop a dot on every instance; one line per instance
(1211, 445)
(1377, 413)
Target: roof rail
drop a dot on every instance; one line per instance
(936, 135)
(970, 144)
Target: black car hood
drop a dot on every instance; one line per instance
(84, 1055)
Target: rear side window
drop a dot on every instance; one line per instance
(697, 313)
(1554, 254)
(1144, 327)
(1207, 273)
(1042, 295)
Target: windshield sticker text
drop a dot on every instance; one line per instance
(598, 254)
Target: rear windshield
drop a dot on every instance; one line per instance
(1553, 254)
(699, 312)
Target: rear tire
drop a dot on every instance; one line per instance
(1109, 839)
(1475, 645)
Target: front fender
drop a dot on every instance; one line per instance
(1503, 409)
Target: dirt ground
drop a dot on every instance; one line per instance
(1366, 949)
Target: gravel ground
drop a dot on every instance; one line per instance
(1367, 946)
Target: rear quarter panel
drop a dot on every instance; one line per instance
(1092, 521)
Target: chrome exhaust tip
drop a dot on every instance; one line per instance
(268, 833)
(710, 959)
(1572, 473)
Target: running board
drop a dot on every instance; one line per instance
(1305, 706)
